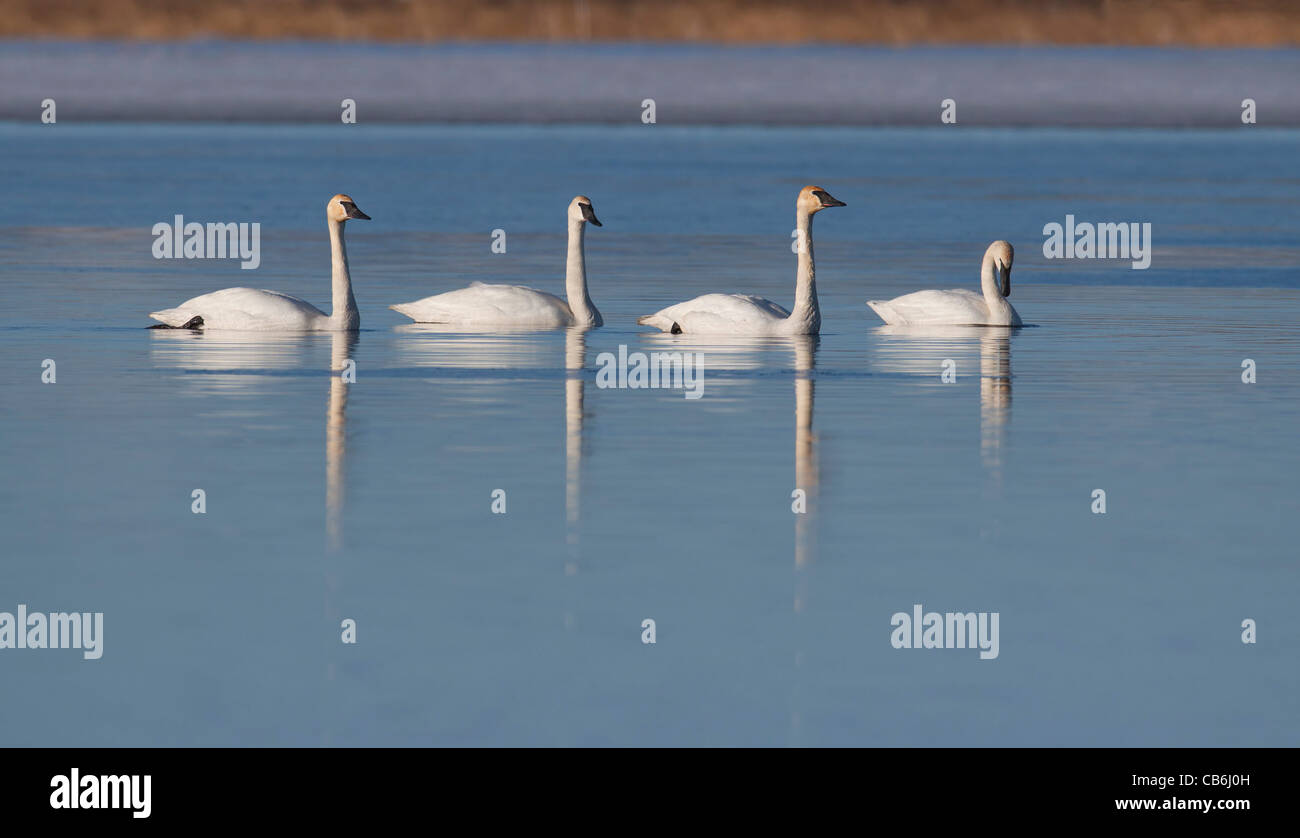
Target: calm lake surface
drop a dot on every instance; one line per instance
(371, 500)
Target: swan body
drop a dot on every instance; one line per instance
(482, 304)
(959, 307)
(251, 309)
(714, 314)
(741, 314)
(246, 309)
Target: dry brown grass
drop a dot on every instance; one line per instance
(894, 22)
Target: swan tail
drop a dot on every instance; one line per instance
(176, 318)
(406, 309)
(664, 324)
(421, 314)
(886, 312)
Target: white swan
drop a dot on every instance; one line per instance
(959, 307)
(249, 309)
(516, 305)
(741, 314)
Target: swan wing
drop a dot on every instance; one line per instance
(246, 309)
(719, 314)
(483, 304)
(956, 307)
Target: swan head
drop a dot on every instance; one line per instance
(341, 208)
(815, 199)
(580, 210)
(1002, 254)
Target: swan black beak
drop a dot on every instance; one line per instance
(1006, 281)
(590, 214)
(827, 200)
(352, 211)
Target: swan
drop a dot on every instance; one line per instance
(741, 314)
(249, 309)
(959, 307)
(516, 305)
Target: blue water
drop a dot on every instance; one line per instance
(372, 500)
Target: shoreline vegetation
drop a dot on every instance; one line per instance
(1193, 23)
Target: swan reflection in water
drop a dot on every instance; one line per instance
(480, 348)
(741, 356)
(922, 351)
(520, 348)
(244, 363)
(734, 353)
(995, 396)
(236, 364)
(342, 374)
(575, 360)
(229, 360)
(806, 475)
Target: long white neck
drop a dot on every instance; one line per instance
(575, 278)
(343, 314)
(805, 289)
(999, 308)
